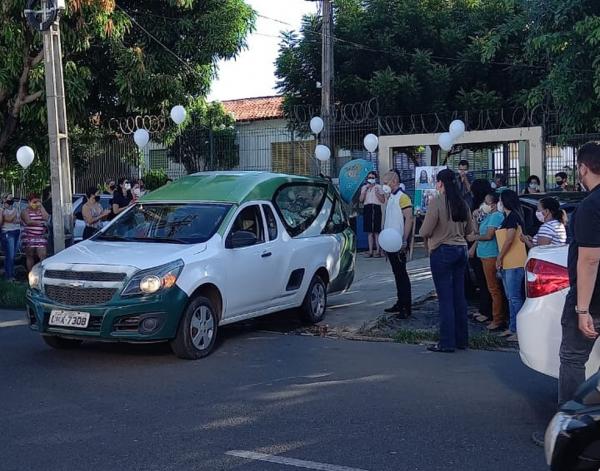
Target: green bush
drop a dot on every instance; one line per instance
(155, 179)
(12, 295)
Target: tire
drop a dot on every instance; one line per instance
(197, 331)
(314, 305)
(61, 343)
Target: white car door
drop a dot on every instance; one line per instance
(249, 277)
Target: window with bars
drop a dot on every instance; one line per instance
(295, 158)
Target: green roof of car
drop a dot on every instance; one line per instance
(225, 187)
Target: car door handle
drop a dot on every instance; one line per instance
(266, 254)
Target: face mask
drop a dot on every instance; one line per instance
(540, 216)
(533, 186)
(486, 208)
(127, 186)
(371, 181)
(35, 205)
(559, 182)
(112, 187)
(493, 184)
(10, 202)
(386, 189)
(500, 207)
(402, 187)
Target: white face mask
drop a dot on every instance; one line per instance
(371, 181)
(128, 186)
(533, 186)
(493, 184)
(540, 216)
(500, 206)
(486, 208)
(386, 189)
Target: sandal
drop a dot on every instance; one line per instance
(369, 255)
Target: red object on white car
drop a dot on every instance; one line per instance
(539, 321)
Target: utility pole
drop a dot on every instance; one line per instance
(327, 137)
(47, 21)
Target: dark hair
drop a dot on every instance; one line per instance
(562, 175)
(464, 163)
(502, 178)
(479, 188)
(373, 172)
(91, 191)
(589, 154)
(457, 206)
(33, 196)
(552, 205)
(494, 196)
(122, 180)
(528, 182)
(510, 200)
(423, 172)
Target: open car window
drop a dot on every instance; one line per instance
(168, 223)
(249, 219)
(299, 205)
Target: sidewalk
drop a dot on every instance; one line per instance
(12, 318)
(374, 290)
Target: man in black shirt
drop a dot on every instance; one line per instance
(581, 314)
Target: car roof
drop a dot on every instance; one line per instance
(226, 187)
(563, 197)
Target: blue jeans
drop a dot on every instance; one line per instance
(10, 242)
(513, 280)
(448, 265)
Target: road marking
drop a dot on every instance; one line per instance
(13, 323)
(252, 455)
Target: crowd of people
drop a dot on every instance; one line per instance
(471, 223)
(29, 229)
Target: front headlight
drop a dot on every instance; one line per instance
(35, 277)
(558, 424)
(153, 280)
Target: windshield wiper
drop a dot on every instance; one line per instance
(113, 237)
(165, 240)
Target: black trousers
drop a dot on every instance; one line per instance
(403, 288)
(485, 299)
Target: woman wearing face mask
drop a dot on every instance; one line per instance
(513, 278)
(446, 225)
(486, 249)
(533, 185)
(92, 213)
(372, 196)
(9, 235)
(553, 230)
(35, 238)
(122, 197)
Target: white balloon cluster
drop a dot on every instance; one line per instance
(322, 153)
(446, 139)
(25, 156)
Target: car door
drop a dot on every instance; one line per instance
(248, 276)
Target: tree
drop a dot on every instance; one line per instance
(112, 66)
(417, 56)
(206, 140)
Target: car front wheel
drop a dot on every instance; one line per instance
(315, 303)
(197, 330)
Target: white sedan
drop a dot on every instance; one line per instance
(539, 321)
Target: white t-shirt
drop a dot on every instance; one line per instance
(553, 230)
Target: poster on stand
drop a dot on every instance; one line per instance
(425, 180)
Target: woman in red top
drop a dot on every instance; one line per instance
(35, 232)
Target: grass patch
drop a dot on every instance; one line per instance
(478, 341)
(12, 295)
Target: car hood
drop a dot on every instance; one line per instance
(557, 254)
(139, 255)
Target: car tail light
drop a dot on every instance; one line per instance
(545, 278)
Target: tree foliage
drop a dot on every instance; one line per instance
(422, 56)
(112, 66)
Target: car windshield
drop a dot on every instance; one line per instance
(167, 223)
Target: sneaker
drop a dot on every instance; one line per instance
(480, 318)
(512, 338)
(493, 326)
(394, 309)
(506, 333)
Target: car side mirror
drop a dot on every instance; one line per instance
(240, 239)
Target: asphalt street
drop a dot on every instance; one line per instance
(267, 401)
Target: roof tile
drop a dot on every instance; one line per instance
(255, 109)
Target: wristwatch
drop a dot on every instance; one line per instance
(581, 311)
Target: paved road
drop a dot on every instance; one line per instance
(352, 405)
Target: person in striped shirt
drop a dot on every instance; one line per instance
(553, 230)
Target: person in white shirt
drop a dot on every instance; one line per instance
(553, 230)
(373, 198)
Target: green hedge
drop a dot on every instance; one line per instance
(12, 295)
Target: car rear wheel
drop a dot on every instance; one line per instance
(61, 343)
(197, 330)
(315, 303)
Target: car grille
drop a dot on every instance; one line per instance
(75, 296)
(84, 275)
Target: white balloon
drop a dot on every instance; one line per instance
(371, 142)
(178, 114)
(322, 153)
(457, 128)
(316, 125)
(446, 141)
(141, 138)
(390, 240)
(25, 156)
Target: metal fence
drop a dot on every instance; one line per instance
(563, 158)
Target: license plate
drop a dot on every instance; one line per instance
(75, 319)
